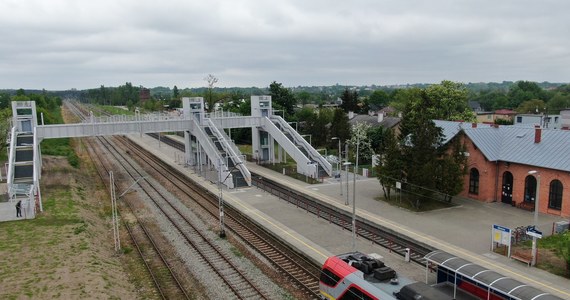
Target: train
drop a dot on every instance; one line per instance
(356, 275)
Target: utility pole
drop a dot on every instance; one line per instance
(114, 213)
(354, 198)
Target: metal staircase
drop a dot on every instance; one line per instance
(24, 162)
(313, 156)
(230, 166)
(232, 161)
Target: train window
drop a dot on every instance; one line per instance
(329, 278)
(356, 294)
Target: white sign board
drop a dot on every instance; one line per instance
(501, 235)
(398, 185)
(534, 234)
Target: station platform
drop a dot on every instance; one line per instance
(463, 230)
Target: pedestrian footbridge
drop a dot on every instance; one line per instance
(207, 145)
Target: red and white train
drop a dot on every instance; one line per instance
(358, 276)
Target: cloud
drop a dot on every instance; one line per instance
(61, 44)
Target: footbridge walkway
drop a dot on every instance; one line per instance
(208, 146)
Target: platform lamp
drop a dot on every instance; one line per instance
(338, 162)
(535, 221)
(222, 233)
(354, 197)
(346, 164)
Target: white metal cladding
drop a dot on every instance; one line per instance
(97, 129)
(237, 122)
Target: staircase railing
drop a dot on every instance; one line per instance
(233, 153)
(313, 154)
(11, 163)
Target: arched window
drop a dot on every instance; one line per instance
(529, 189)
(555, 195)
(474, 181)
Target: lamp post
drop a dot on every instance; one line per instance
(222, 233)
(536, 206)
(338, 163)
(354, 198)
(347, 164)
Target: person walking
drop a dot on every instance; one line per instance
(19, 209)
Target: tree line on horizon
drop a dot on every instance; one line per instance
(414, 156)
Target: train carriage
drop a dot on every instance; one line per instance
(358, 276)
(355, 275)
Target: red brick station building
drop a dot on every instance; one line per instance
(515, 164)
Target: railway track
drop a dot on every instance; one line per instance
(379, 235)
(197, 240)
(386, 238)
(294, 266)
(164, 278)
(233, 281)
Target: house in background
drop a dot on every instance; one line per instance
(565, 119)
(374, 121)
(500, 161)
(475, 106)
(144, 94)
(544, 121)
(490, 117)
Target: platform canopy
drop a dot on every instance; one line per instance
(489, 279)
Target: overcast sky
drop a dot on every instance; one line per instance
(62, 44)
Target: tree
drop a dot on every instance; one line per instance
(175, 93)
(4, 100)
(359, 138)
(377, 137)
(349, 101)
(5, 118)
(304, 96)
(420, 160)
(304, 116)
(451, 168)
(450, 102)
(339, 126)
(491, 99)
(419, 141)
(523, 91)
(318, 129)
(102, 94)
(379, 99)
(557, 103)
(282, 98)
(534, 106)
(389, 170)
(210, 101)
(401, 97)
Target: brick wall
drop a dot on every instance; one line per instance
(491, 181)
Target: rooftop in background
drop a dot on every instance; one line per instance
(515, 144)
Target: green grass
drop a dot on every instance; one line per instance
(559, 244)
(236, 252)
(46, 231)
(60, 147)
(245, 149)
(115, 110)
(404, 202)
